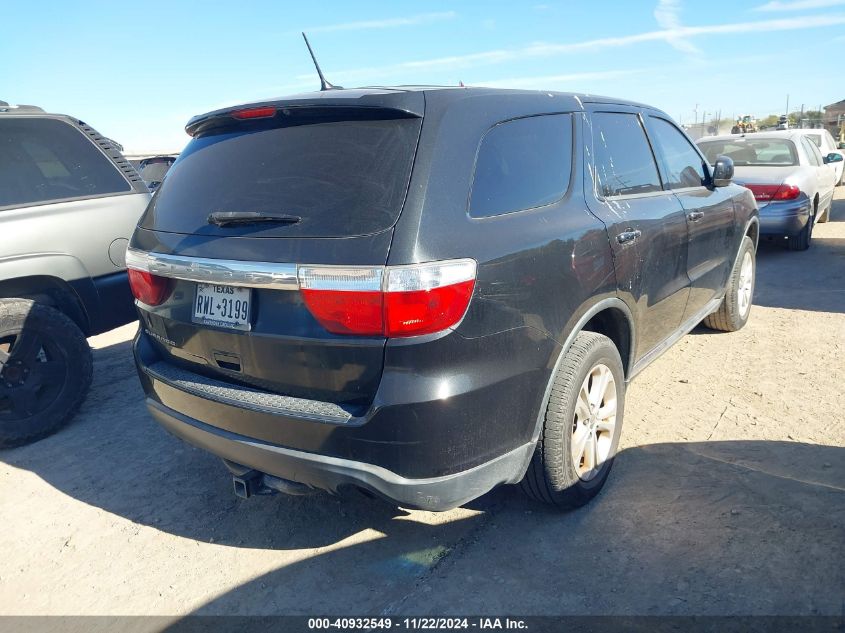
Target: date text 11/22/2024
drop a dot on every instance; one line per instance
(418, 623)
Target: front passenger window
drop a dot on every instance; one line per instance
(682, 165)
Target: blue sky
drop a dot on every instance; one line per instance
(138, 71)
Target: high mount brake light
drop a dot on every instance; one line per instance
(769, 193)
(255, 113)
(395, 301)
(147, 288)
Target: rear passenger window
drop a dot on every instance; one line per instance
(682, 165)
(623, 159)
(522, 164)
(47, 159)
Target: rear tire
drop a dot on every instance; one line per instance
(45, 371)
(801, 242)
(735, 308)
(588, 385)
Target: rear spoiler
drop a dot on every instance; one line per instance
(332, 105)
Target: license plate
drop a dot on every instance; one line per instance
(222, 306)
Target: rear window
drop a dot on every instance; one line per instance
(522, 164)
(154, 169)
(342, 178)
(44, 160)
(748, 152)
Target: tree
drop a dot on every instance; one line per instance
(811, 116)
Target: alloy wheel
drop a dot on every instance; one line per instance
(594, 423)
(746, 283)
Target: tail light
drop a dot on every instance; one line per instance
(261, 112)
(770, 193)
(396, 301)
(147, 288)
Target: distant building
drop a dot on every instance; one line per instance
(834, 119)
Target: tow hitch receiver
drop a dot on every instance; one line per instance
(253, 482)
(248, 484)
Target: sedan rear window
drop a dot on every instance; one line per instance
(339, 178)
(748, 152)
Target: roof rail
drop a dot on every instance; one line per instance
(5, 107)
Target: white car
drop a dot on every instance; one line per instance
(824, 141)
(791, 181)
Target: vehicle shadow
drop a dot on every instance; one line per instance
(809, 280)
(114, 456)
(712, 528)
(715, 527)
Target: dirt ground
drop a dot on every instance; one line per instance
(728, 497)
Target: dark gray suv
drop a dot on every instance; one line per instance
(426, 292)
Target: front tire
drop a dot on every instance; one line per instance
(45, 371)
(735, 308)
(581, 427)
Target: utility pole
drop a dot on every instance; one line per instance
(787, 105)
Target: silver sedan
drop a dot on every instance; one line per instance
(791, 181)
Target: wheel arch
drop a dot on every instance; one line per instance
(47, 290)
(609, 316)
(613, 318)
(752, 230)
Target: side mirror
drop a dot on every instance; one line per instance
(833, 157)
(723, 171)
(841, 146)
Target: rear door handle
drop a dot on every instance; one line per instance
(695, 216)
(628, 236)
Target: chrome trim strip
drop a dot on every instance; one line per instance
(223, 272)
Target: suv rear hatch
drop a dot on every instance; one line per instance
(270, 188)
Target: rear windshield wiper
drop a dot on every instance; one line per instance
(226, 218)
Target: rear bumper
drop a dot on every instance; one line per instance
(334, 474)
(423, 442)
(785, 218)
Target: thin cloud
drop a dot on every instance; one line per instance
(542, 49)
(388, 23)
(668, 16)
(549, 81)
(798, 5)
